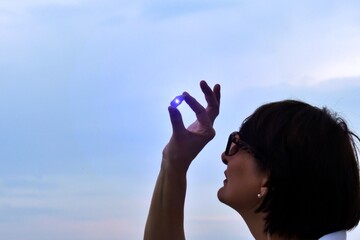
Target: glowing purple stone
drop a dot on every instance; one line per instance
(177, 101)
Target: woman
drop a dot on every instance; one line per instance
(292, 171)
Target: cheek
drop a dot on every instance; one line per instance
(243, 185)
(241, 190)
(239, 193)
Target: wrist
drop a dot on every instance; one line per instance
(174, 167)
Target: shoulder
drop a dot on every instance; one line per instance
(340, 235)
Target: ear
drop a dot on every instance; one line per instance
(264, 185)
(263, 191)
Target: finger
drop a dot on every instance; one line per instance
(199, 110)
(214, 110)
(176, 120)
(217, 90)
(209, 94)
(212, 97)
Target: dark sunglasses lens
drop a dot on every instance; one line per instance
(231, 147)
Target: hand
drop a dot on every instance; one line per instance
(186, 143)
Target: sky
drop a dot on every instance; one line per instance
(84, 91)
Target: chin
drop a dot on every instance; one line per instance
(225, 198)
(220, 195)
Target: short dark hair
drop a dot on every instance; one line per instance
(313, 185)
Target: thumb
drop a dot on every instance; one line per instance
(176, 120)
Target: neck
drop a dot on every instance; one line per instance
(256, 225)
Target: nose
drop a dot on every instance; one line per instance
(223, 158)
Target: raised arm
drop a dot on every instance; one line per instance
(166, 216)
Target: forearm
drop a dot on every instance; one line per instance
(166, 214)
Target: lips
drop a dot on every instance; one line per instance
(225, 180)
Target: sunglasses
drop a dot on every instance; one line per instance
(234, 144)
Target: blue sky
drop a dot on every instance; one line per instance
(84, 90)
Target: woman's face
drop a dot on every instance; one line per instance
(244, 180)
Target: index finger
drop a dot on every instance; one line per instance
(200, 111)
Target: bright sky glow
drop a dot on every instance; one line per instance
(85, 86)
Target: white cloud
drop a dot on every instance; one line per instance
(41, 228)
(70, 207)
(349, 67)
